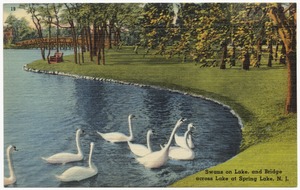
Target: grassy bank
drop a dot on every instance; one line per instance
(258, 96)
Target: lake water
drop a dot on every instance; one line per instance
(42, 113)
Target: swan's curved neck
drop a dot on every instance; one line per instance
(90, 156)
(172, 135)
(148, 142)
(186, 135)
(130, 128)
(10, 163)
(78, 144)
(189, 136)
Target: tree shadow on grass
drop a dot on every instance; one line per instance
(261, 68)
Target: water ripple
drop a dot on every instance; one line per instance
(42, 113)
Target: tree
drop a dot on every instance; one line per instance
(70, 16)
(32, 9)
(157, 21)
(123, 19)
(56, 9)
(21, 30)
(48, 20)
(285, 21)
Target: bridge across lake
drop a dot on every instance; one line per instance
(52, 42)
(62, 42)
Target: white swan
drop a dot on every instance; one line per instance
(139, 149)
(119, 137)
(12, 177)
(180, 153)
(64, 157)
(180, 140)
(78, 173)
(159, 158)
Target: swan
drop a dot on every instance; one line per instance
(119, 137)
(159, 158)
(180, 153)
(141, 150)
(78, 173)
(12, 178)
(64, 157)
(180, 140)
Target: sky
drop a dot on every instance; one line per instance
(9, 8)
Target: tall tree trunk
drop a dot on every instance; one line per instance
(74, 37)
(90, 43)
(246, 61)
(232, 58)
(87, 43)
(282, 54)
(37, 23)
(111, 25)
(287, 33)
(276, 50)
(258, 53)
(41, 41)
(49, 44)
(57, 27)
(291, 100)
(83, 40)
(118, 36)
(95, 39)
(98, 46)
(224, 56)
(270, 49)
(42, 48)
(102, 45)
(49, 34)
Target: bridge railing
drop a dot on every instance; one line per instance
(46, 41)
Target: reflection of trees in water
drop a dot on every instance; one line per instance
(91, 101)
(158, 106)
(106, 106)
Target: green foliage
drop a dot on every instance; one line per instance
(156, 23)
(20, 27)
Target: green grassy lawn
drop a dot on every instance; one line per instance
(258, 96)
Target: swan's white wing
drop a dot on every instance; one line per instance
(76, 173)
(179, 140)
(179, 153)
(154, 159)
(114, 137)
(63, 157)
(138, 149)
